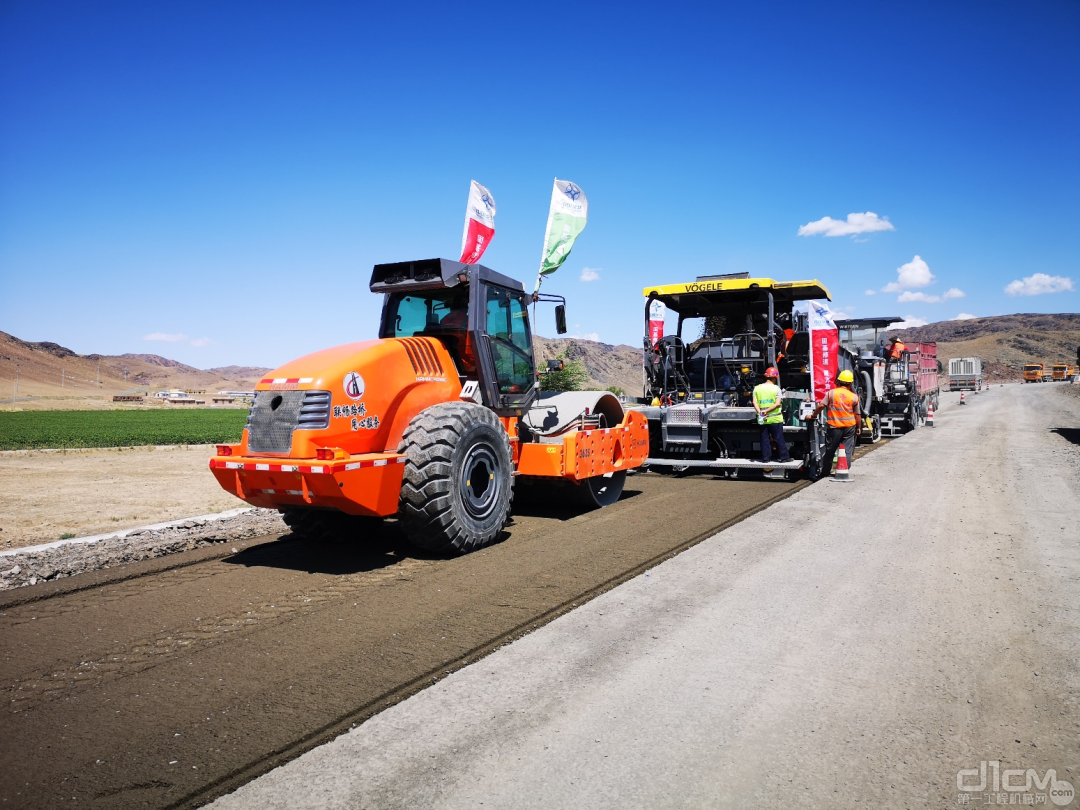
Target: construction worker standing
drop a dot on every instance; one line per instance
(769, 406)
(896, 349)
(841, 407)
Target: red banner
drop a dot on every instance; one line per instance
(479, 224)
(477, 238)
(825, 345)
(657, 311)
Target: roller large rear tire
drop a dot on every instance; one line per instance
(458, 484)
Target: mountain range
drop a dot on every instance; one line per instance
(53, 376)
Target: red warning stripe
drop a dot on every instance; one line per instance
(310, 469)
(285, 380)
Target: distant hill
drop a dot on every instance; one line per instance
(54, 376)
(158, 360)
(608, 366)
(1004, 342)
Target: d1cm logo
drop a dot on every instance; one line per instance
(354, 385)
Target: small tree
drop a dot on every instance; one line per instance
(571, 377)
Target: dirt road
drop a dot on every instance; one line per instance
(857, 645)
(170, 681)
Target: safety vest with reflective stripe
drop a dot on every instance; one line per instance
(842, 408)
(896, 350)
(766, 396)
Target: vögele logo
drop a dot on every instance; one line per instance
(1004, 785)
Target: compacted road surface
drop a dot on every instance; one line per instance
(174, 680)
(856, 645)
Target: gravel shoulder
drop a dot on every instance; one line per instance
(47, 494)
(854, 645)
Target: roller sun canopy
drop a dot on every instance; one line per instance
(706, 297)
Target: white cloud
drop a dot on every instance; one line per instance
(908, 296)
(590, 274)
(908, 322)
(855, 224)
(915, 273)
(594, 336)
(965, 316)
(1039, 284)
(178, 337)
(166, 337)
(871, 292)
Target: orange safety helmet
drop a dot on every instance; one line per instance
(772, 372)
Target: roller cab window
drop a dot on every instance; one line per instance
(507, 326)
(431, 312)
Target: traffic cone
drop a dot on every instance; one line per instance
(842, 471)
(930, 414)
(962, 398)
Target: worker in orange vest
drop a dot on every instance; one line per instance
(841, 406)
(896, 348)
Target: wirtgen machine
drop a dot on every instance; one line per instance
(435, 421)
(895, 395)
(699, 381)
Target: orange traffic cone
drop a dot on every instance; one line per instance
(842, 471)
(962, 398)
(930, 414)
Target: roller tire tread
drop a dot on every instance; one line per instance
(426, 507)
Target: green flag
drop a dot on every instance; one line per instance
(566, 219)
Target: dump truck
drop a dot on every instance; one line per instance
(436, 421)
(965, 374)
(1033, 372)
(1048, 374)
(911, 387)
(865, 339)
(1060, 372)
(894, 395)
(698, 382)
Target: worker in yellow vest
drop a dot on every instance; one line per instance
(769, 405)
(841, 406)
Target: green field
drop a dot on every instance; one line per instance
(60, 429)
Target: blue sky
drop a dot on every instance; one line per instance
(225, 175)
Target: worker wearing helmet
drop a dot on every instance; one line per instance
(841, 406)
(769, 404)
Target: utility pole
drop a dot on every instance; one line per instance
(61, 379)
